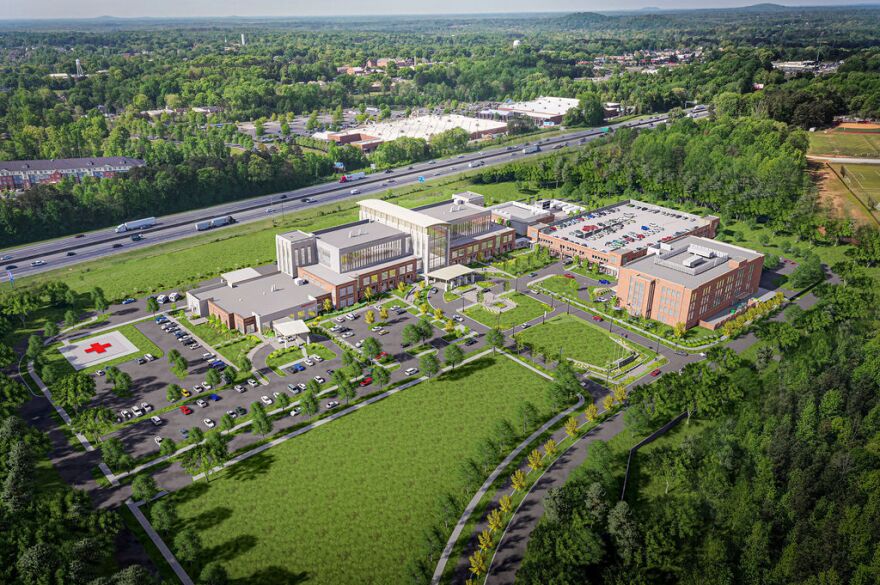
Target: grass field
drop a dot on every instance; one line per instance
(574, 338)
(349, 502)
(839, 143)
(526, 309)
(238, 349)
(852, 191)
(207, 333)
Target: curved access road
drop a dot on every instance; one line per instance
(512, 547)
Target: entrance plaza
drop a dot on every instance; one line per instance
(97, 350)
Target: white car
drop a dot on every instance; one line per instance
(266, 400)
(351, 316)
(347, 334)
(252, 383)
(316, 358)
(201, 403)
(208, 423)
(376, 328)
(206, 386)
(239, 388)
(411, 371)
(276, 394)
(295, 411)
(359, 343)
(340, 319)
(355, 191)
(207, 356)
(197, 389)
(146, 406)
(157, 440)
(149, 357)
(136, 410)
(308, 362)
(332, 404)
(319, 379)
(156, 420)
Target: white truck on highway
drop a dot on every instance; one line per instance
(352, 177)
(213, 223)
(140, 224)
(531, 148)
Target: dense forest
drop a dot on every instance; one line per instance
(777, 484)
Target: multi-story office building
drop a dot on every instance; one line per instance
(689, 281)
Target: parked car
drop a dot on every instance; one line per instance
(240, 410)
(156, 420)
(252, 383)
(239, 388)
(316, 358)
(184, 433)
(266, 400)
(347, 334)
(208, 423)
(366, 381)
(185, 393)
(207, 356)
(186, 409)
(308, 362)
(297, 368)
(295, 411)
(201, 403)
(411, 371)
(157, 440)
(597, 318)
(604, 281)
(136, 411)
(656, 372)
(232, 413)
(332, 404)
(293, 388)
(533, 274)
(470, 342)
(128, 301)
(319, 380)
(214, 397)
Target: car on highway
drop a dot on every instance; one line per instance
(117, 245)
(128, 301)
(354, 191)
(270, 210)
(11, 267)
(79, 236)
(6, 258)
(71, 253)
(306, 200)
(38, 263)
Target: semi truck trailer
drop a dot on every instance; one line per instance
(213, 223)
(140, 224)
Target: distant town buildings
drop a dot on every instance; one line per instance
(23, 174)
(814, 67)
(543, 111)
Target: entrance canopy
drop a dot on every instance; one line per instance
(292, 328)
(452, 276)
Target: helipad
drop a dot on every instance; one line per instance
(97, 350)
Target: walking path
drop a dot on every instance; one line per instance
(848, 160)
(160, 544)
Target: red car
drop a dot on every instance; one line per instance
(186, 409)
(655, 373)
(597, 318)
(568, 275)
(366, 381)
(381, 355)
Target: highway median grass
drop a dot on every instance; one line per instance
(358, 494)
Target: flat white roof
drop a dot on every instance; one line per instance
(402, 213)
(288, 326)
(544, 106)
(424, 127)
(240, 275)
(450, 272)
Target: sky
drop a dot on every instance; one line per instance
(17, 9)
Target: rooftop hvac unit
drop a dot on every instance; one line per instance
(693, 261)
(701, 251)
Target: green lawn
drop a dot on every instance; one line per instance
(208, 333)
(837, 143)
(237, 349)
(519, 263)
(132, 333)
(567, 287)
(575, 338)
(526, 309)
(355, 496)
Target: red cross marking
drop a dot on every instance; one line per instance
(98, 347)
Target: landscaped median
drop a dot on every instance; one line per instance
(369, 484)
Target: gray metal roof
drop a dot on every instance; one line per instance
(357, 234)
(262, 296)
(402, 213)
(68, 164)
(447, 211)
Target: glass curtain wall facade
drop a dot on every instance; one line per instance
(438, 247)
(371, 255)
(472, 227)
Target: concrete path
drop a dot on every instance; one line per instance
(160, 544)
(512, 546)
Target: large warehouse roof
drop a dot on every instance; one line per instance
(424, 127)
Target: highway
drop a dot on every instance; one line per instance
(71, 250)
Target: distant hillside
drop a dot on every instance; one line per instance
(580, 20)
(764, 7)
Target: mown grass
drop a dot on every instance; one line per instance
(837, 143)
(238, 349)
(573, 338)
(357, 495)
(526, 309)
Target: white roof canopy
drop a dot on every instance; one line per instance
(450, 272)
(288, 326)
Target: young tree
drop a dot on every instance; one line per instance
(591, 413)
(506, 504)
(528, 415)
(495, 339)
(495, 520)
(347, 390)
(429, 365)
(196, 435)
(550, 448)
(571, 427)
(535, 460)
(70, 318)
(410, 335)
(518, 480)
(608, 402)
(163, 517)
(369, 317)
(453, 355)
(226, 422)
(167, 447)
(173, 393)
(383, 313)
(152, 305)
(328, 305)
(310, 402)
(487, 542)
(371, 348)
(50, 330)
(381, 377)
(260, 423)
(212, 377)
(143, 487)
